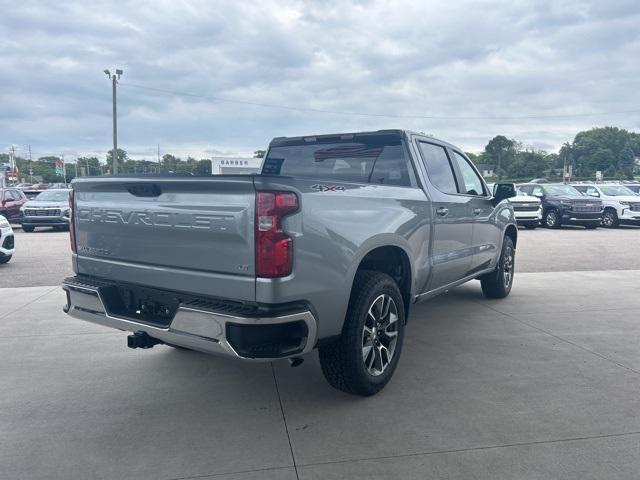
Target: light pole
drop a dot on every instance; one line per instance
(114, 81)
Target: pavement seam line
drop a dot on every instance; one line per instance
(28, 303)
(284, 419)
(577, 345)
(473, 449)
(209, 475)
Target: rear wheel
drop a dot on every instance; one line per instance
(363, 359)
(26, 228)
(610, 219)
(497, 284)
(551, 218)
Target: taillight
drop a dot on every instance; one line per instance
(72, 224)
(274, 248)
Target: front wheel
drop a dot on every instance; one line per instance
(27, 229)
(363, 359)
(497, 284)
(531, 226)
(610, 219)
(5, 258)
(552, 219)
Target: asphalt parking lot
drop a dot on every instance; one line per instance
(542, 385)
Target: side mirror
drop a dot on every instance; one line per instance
(502, 191)
(538, 194)
(593, 194)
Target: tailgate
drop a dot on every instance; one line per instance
(185, 234)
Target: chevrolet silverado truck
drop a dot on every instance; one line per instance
(327, 248)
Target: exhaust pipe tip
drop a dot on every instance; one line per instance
(296, 361)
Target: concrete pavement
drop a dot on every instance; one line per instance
(544, 384)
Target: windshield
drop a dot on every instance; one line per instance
(616, 190)
(561, 190)
(53, 196)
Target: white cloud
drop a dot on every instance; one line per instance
(489, 58)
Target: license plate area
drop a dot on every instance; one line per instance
(140, 304)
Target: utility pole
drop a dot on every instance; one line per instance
(64, 170)
(30, 165)
(12, 158)
(114, 81)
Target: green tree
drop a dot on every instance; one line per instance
(501, 151)
(528, 164)
(122, 158)
(608, 149)
(89, 166)
(259, 153)
(169, 163)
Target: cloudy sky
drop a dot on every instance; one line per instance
(533, 70)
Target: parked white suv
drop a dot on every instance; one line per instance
(528, 209)
(6, 240)
(621, 204)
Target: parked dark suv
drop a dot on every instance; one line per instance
(564, 205)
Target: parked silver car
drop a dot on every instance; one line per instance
(49, 209)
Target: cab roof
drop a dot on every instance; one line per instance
(281, 141)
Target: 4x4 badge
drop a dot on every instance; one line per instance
(327, 188)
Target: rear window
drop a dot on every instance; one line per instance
(371, 159)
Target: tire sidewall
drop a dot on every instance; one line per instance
(551, 211)
(613, 216)
(359, 314)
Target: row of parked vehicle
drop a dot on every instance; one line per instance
(50, 208)
(588, 204)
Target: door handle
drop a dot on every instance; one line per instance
(443, 212)
(476, 211)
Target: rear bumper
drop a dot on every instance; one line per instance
(199, 329)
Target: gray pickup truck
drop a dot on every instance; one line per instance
(327, 248)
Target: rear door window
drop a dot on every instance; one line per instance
(438, 167)
(378, 159)
(472, 181)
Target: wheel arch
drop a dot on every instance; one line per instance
(395, 261)
(512, 232)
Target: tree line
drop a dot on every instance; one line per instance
(610, 150)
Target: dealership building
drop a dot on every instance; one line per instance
(235, 165)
